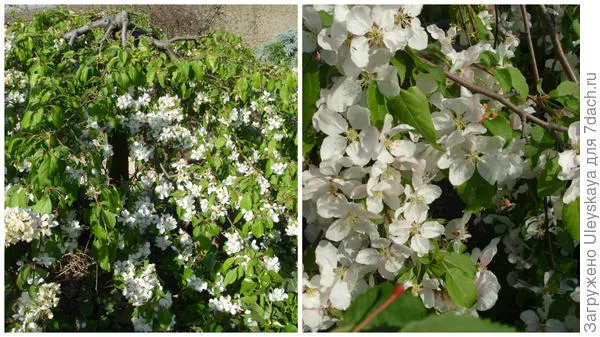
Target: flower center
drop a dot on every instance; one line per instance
(378, 194)
(460, 123)
(390, 144)
(339, 272)
(365, 78)
(415, 228)
(472, 157)
(375, 36)
(385, 254)
(402, 19)
(310, 291)
(351, 219)
(351, 135)
(416, 289)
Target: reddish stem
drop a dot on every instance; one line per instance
(399, 290)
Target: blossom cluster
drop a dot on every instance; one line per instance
(33, 308)
(368, 199)
(22, 224)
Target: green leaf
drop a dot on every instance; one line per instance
(101, 253)
(488, 59)
(461, 287)
(451, 322)
(17, 197)
(246, 202)
(284, 94)
(461, 262)
(22, 277)
(412, 107)
(220, 142)
(184, 68)
(509, 78)
(164, 318)
(565, 88)
(404, 309)
(230, 277)
(99, 231)
(547, 180)
(43, 206)
(326, 19)
(500, 126)
(47, 171)
(311, 88)
(519, 82)
(540, 140)
(57, 116)
(376, 103)
(476, 193)
(247, 286)
(228, 263)
(258, 229)
(571, 218)
(401, 61)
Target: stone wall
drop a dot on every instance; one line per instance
(255, 24)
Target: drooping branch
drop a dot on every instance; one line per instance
(536, 75)
(164, 44)
(111, 25)
(120, 22)
(560, 54)
(500, 98)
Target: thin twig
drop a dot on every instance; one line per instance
(497, 25)
(464, 24)
(469, 11)
(547, 231)
(500, 98)
(558, 50)
(536, 75)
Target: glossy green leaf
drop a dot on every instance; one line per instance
(461, 262)
(43, 206)
(477, 193)
(412, 107)
(311, 88)
(404, 309)
(451, 322)
(547, 180)
(565, 88)
(230, 277)
(377, 105)
(500, 126)
(461, 287)
(571, 219)
(258, 229)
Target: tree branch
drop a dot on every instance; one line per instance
(495, 96)
(560, 54)
(111, 24)
(464, 24)
(536, 75)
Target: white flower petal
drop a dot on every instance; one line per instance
(431, 229)
(358, 20)
(368, 256)
(461, 171)
(333, 147)
(340, 295)
(337, 231)
(359, 117)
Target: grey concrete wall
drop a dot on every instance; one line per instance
(255, 24)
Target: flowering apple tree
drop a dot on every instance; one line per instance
(441, 154)
(150, 185)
